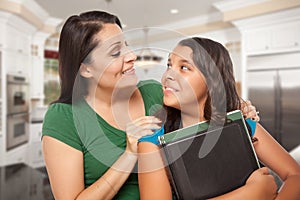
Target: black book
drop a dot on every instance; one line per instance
(206, 161)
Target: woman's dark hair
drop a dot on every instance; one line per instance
(214, 62)
(75, 45)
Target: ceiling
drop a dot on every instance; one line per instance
(133, 13)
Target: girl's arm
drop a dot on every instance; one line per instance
(153, 179)
(278, 160)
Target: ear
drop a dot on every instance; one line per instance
(85, 71)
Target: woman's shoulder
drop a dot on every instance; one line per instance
(58, 111)
(151, 83)
(59, 108)
(59, 123)
(150, 86)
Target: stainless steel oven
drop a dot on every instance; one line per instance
(17, 130)
(17, 94)
(17, 111)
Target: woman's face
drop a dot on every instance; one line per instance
(184, 85)
(112, 63)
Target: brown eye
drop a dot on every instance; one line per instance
(185, 68)
(117, 54)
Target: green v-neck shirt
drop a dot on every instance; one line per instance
(101, 144)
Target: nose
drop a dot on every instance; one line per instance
(130, 56)
(169, 75)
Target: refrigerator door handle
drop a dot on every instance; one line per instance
(278, 106)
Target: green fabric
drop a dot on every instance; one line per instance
(101, 144)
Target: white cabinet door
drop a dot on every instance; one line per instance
(257, 41)
(35, 132)
(37, 78)
(273, 39)
(286, 36)
(16, 62)
(36, 158)
(35, 146)
(17, 155)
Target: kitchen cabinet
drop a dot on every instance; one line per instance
(273, 39)
(16, 155)
(37, 80)
(2, 35)
(20, 181)
(16, 62)
(17, 40)
(37, 66)
(35, 153)
(15, 44)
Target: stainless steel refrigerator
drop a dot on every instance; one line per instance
(276, 94)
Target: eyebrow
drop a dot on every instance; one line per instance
(181, 60)
(113, 44)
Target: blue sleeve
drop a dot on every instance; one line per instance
(154, 137)
(252, 125)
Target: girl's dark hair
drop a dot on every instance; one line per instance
(75, 45)
(214, 62)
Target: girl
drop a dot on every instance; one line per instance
(199, 85)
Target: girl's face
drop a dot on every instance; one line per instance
(112, 63)
(183, 84)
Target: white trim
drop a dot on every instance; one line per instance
(268, 19)
(236, 4)
(198, 20)
(35, 8)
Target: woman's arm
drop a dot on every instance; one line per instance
(65, 165)
(153, 179)
(277, 159)
(66, 173)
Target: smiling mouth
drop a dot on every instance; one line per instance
(170, 89)
(129, 71)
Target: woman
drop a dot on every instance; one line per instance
(199, 85)
(89, 142)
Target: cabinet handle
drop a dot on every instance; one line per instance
(296, 44)
(267, 47)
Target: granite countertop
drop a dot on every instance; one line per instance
(21, 181)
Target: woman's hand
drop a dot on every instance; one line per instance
(139, 128)
(262, 184)
(249, 111)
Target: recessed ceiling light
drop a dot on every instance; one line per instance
(174, 11)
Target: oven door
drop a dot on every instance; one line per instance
(17, 130)
(17, 94)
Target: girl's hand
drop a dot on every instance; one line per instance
(139, 128)
(262, 184)
(249, 111)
